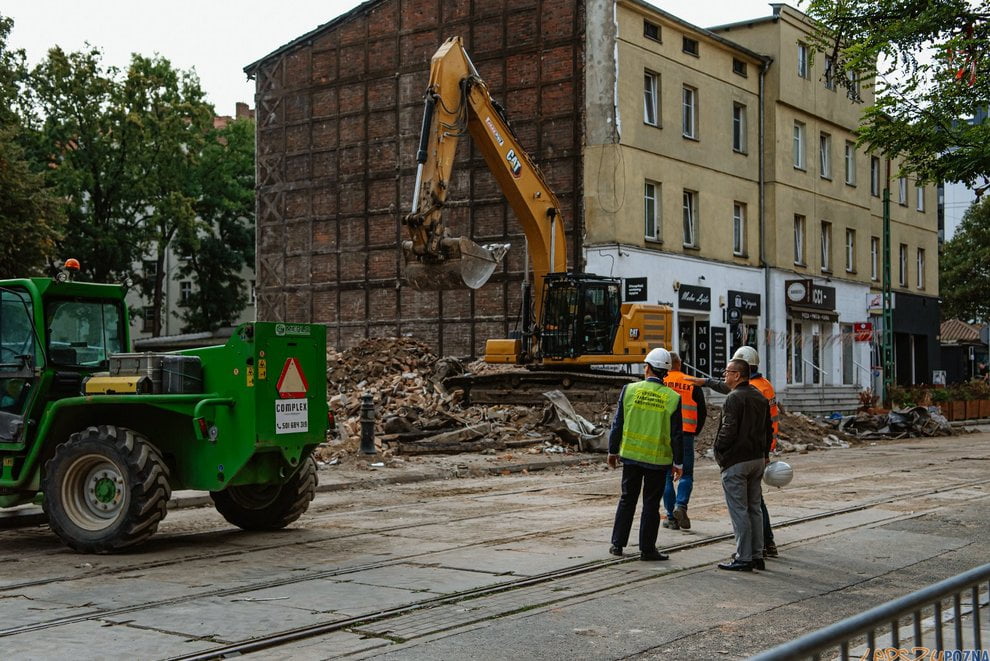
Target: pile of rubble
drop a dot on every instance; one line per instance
(415, 414)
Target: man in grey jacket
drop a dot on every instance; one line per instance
(742, 450)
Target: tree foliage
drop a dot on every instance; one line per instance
(964, 269)
(930, 67)
(30, 215)
(221, 244)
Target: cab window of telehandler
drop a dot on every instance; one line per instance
(83, 333)
(17, 350)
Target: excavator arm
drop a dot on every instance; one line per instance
(458, 102)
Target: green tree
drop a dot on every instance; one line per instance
(930, 67)
(221, 243)
(30, 214)
(964, 269)
(124, 149)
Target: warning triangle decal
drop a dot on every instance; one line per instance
(292, 384)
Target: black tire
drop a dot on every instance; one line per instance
(268, 506)
(106, 489)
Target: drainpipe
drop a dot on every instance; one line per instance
(767, 361)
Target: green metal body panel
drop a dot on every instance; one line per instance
(255, 433)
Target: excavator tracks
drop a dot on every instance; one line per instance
(527, 386)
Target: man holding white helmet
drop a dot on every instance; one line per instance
(761, 383)
(647, 434)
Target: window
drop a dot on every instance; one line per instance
(690, 46)
(902, 277)
(83, 332)
(739, 127)
(799, 162)
(920, 194)
(874, 176)
(651, 30)
(738, 66)
(852, 90)
(738, 228)
(802, 63)
(690, 219)
(829, 75)
(902, 191)
(148, 319)
(826, 246)
(253, 300)
(874, 258)
(825, 155)
(185, 290)
(850, 163)
(921, 268)
(150, 268)
(650, 86)
(689, 114)
(651, 211)
(799, 240)
(850, 251)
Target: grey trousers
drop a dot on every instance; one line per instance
(743, 494)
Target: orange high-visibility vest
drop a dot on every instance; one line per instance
(766, 389)
(689, 408)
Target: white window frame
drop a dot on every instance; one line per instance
(689, 112)
(874, 258)
(826, 245)
(800, 225)
(690, 218)
(850, 163)
(902, 277)
(829, 73)
(919, 192)
(800, 149)
(651, 210)
(920, 265)
(825, 155)
(850, 250)
(253, 296)
(739, 128)
(874, 176)
(853, 90)
(185, 290)
(738, 229)
(803, 68)
(651, 89)
(902, 191)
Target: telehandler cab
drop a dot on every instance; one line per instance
(106, 435)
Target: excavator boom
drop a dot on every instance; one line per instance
(458, 103)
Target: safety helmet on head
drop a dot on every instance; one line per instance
(658, 359)
(778, 474)
(748, 354)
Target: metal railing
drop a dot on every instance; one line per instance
(821, 378)
(966, 593)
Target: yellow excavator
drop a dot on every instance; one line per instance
(576, 320)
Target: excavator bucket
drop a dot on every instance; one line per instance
(466, 264)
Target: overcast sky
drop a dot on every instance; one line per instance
(218, 38)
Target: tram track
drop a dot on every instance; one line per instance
(302, 633)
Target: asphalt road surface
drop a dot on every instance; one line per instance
(507, 567)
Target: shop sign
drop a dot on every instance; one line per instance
(690, 297)
(635, 289)
(863, 331)
(747, 303)
(702, 347)
(719, 356)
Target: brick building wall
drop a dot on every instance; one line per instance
(338, 119)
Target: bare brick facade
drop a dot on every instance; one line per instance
(339, 113)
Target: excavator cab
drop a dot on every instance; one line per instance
(581, 314)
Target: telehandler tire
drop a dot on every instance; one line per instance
(106, 489)
(268, 506)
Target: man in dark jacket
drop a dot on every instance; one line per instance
(742, 450)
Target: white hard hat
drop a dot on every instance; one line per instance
(778, 474)
(748, 354)
(658, 359)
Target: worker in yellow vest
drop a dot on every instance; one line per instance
(693, 414)
(646, 434)
(758, 381)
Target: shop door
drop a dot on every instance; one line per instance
(848, 355)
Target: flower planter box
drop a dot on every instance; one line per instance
(985, 408)
(956, 409)
(972, 409)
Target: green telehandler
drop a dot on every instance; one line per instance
(106, 435)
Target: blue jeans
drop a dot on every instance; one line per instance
(685, 484)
